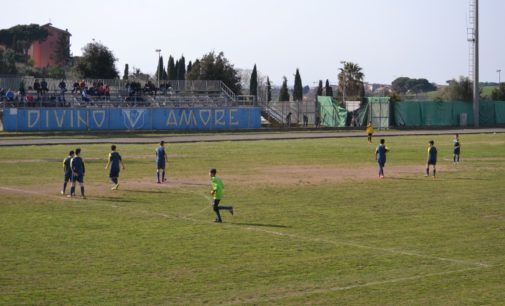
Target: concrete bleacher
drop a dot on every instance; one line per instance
(177, 94)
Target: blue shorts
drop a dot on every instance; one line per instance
(456, 151)
(432, 162)
(67, 176)
(160, 165)
(78, 178)
(114, 173)
(381, 162)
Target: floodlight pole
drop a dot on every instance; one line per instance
(499, 76)
(476, 90)
(159, 68)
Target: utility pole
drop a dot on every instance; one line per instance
(499, 76)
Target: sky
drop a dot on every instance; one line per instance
(387, 38)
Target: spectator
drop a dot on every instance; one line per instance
(63, 87)
(37, 88)
(82, 85)
(10, 95)
(305, 120)
(22, 90)
(91, 91)
(29, 100)
(75, 87)
(318, 121)
(288, 120)
(85, 95)
(43, 86)
(101, 91)
(107, 92)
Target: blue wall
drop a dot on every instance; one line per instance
(73, 119)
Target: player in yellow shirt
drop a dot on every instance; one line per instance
(369, 131)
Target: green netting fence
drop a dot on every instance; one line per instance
(330, 113)
(454, 113)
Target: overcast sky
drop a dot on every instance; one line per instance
(387, 38)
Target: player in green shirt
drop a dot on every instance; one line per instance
(217, 193)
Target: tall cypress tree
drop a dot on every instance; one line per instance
(284, 92)
(171, 72)
(181, 68)
(329, 90)
(269, 90)
(298, 88)
(126, 72)
(190, 66)
(160, 71)
(319, 91)
(177, 69)
(253, 84)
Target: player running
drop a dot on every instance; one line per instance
(114, 161)
(67, 171)
(161, 160)
(432, 159)
(380, 157)
(78, 170)
(217, 193)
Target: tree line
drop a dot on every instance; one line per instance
(98, 62)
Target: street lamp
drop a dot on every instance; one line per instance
(159, 68)
(499, 76)
(344, 79)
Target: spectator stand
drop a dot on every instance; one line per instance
(118, 93)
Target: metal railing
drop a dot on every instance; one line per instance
(171, 92)
(279, 111)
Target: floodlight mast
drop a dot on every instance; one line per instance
(476, 87)
(159, 67)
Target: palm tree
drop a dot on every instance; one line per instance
(351, 76)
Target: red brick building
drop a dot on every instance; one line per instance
(43, 52)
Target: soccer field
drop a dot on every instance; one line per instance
(312, 225)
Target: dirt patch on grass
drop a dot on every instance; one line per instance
(150, 182)
(284, 176)
(305, 175)
(293, 176)
(45, 160)
(267, 176)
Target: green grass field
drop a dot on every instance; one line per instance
(312, 225)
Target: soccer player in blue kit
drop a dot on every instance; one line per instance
(114, 162)
(432, 159)
(78, 170)
(161, 160)
(67, 171)
(380, 157)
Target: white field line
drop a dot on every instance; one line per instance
(387, 250)
(344, 288)
(477, 266)
(293, 236)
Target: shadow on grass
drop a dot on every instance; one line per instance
(113, 199)
(466, 179)
(143, 191)
(192, 184)
(443, 178)
(406, 178)
(260, 225)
